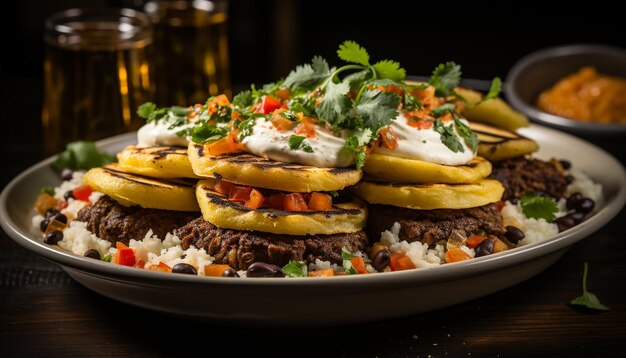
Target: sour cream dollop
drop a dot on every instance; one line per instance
(157, 133)
(425, 144)
(328, 148)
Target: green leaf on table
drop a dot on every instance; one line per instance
(588, 299)
(82, 155)
(539, 207)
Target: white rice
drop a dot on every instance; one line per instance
(77, 239)
(419, 253)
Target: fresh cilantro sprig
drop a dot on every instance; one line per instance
(298, 142)
(539, 207)
(445, 79)
(588, 299)
(205, 132)
(295, 269)
(448, 137)
(82, 155)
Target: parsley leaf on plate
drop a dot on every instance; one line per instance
(295, 269)
(588, 299)
(82, 155)
(445, 78)
(448, 138)
(538, 207)
(389, 69)
(298, 142)
(351, 51)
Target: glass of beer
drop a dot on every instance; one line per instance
(96, 74)
(190, 50)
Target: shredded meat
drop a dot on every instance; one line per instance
(523, 175)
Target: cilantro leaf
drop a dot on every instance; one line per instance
(245, 128)
(295, 269)
(82, 155)
(443, 109)
(146, 109)
(494, 89)
(107, 258)
(471, 139)
(306, 105)
(377, 108)
(445, 78)
(334, 104)
(411, 103)
(243, 99)
(357, 79)
(289, 115)
(347, 255)
(347, 264)
(351, 51)
(179, 111)
(308, 76)
(298, 142)
(206, 133)
(538, 207)
(588, 299)
(390, 70)
(356, 144)
(47, 190)
(448, 138)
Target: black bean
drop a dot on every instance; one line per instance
(261, 269)
(381, 260)
(566, 164)
(51, 212)
(68, 195)
(53, 237)
(569, 179)
(59, 217)
(577, 217)
(44, 224)
(230, 273)
(184, 268)
(565, 222)
(573, 200)
(67, 174)
(585, 206)
(92, 254)
(484, 248)
(513, 234)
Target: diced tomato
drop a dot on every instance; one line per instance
(306, 127)
(358, 264)
(400, 261)
(215, 270)
(277, 201)
(389, 138)
(223, 187)
(283, 93)
(474, 240)
(269, 104)
(256, 199)
(82, 193)
(140, 263)
(500, 205)
(124, 256)
(279, 122)
(320, 201)
(160, 267)
(420, 123)
(222, 146)
(457, 254)
(398, 90)
(221, 100)
(240, 193)
(422, 94)
(295, 202)
(322, 273)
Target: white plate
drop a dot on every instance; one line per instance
(327, 300)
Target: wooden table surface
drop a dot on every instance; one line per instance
(45, 313)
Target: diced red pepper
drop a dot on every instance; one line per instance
(306, 127)
(82, 193)
(124, 256)
(400, 261)
(256, 199)
(240, 193)
(295, 202)
(320, 201)
(269, 104)
(223, 187)
(277, 201)
(389, 138)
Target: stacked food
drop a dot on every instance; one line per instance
(270, 184)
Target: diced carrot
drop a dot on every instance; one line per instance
(474, 240)
(294, 202)
(456, 254)
(279, 122)
(358, 264)
(398, 90)
(389, 138)
(277, 201)
(223, 187)
(322, 273)
(306, 127)
(221, 146)
(499, 246)
(124, 256)
(240, 193)
(44, 202)
(400, 261)
(215, 270)
(283, 93)
(256, 199)
(320, 201)
(221, 100)
(160, 267)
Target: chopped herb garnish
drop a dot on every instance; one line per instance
(146, 109)
(305, 105)
(308, 76)
(448, 137)
(378, 109)
(82, 155)
(539, 207)
(588, 299)
(295, 269)
(357, 143)
(335, 104)
(298, 142)
(243, 99)
(206, 133)
(289, 115)
(347, 264)
(107, 258)
(471, 139)
(443, 109)
(333, 193)
(445, 78)
(47, 190)
(246, 128)
(347, 255)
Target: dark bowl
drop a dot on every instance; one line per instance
(542, 69)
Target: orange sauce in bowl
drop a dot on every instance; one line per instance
(587, 96)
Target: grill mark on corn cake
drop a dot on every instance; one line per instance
(159, 152)
(144, 180)
(240, 249)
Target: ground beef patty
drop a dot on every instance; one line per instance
(240, 249)
(523, 175)
(112, 221)
(431, 226)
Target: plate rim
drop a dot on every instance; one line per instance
(450, 271)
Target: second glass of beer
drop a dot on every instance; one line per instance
(190, 60)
